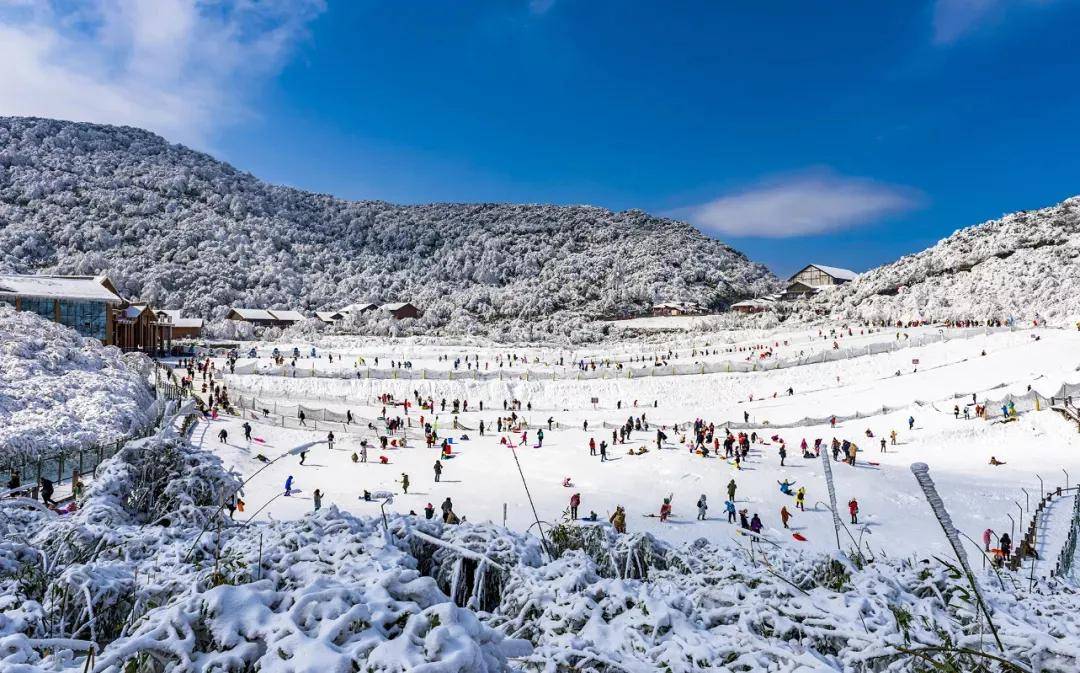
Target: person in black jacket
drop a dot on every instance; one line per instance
(47, 492)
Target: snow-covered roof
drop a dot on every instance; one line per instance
(178, 320)
(757, 301)
(91, 288)
(835, 272)
(394, 307)
(360, 307)
(328, 316)
(253, 313)
(286, 315)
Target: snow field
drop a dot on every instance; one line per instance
(482, 475)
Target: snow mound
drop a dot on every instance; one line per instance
(60, 390)
(1025, 265)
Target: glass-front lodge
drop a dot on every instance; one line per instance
(91, 306)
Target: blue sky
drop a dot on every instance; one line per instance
(842, 133)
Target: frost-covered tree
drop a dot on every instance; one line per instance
(179, 228)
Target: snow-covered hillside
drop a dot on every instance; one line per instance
(177, 227)
(59, 390)
(1024, 265)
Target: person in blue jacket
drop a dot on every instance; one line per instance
(288, 485)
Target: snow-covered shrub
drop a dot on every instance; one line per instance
(463, 567)
(229, 330)
(160, 480)
(154, 577)
(60, 390)
(724, 612)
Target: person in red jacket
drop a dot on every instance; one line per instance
(575, 502)
(665, 509)
(853, 507)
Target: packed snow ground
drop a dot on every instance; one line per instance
(482, 474)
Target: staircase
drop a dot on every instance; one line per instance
(1067, 408)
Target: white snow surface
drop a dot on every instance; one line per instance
(863, 391)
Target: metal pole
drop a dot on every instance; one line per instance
(1042, 493)
(536, 516)
(1027, 500)
(1021, 514)
(1012, 527)
(1066, 478)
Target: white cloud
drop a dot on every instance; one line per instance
(955, 19)
(541, 6)
(801, 205)
(182, 68)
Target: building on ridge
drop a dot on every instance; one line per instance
(813, 277)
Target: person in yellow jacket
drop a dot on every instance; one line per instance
(618, 519)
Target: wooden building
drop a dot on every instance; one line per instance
(676, 308)
(813, 277)
(341, 314)
(261, 317)
(401, 310)
(138, 327)
(182, 328)
(330, 317)
(758, 305)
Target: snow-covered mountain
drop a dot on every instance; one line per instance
(1024, 265)
(179, 228)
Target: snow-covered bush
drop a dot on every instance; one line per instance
(229, 330)
(61, 390)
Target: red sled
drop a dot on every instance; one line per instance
(870, 462)
(259, 440)
(799, 536)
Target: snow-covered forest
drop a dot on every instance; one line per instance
(59, 390)
(1024, 265)
(183, 230)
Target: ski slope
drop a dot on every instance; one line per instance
(482, 476)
